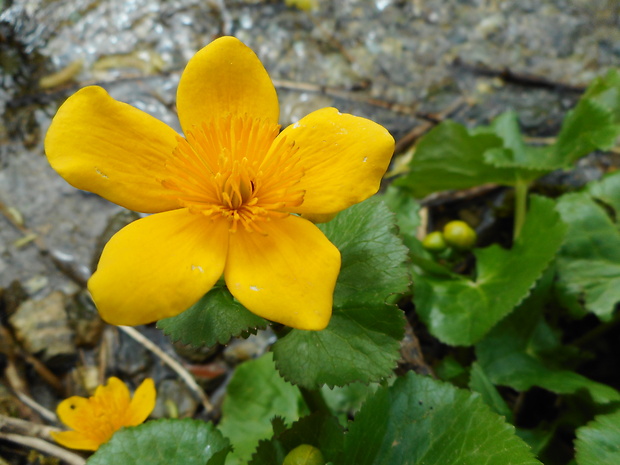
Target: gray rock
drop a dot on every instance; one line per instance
(42, 328)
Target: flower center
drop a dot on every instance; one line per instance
(236, 168)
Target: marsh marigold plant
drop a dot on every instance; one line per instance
(231, 198)
(95, 419)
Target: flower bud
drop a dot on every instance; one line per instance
(459, 235)
(434, 242)
(304, 455)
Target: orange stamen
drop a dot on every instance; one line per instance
(234, 168)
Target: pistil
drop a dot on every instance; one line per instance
(235, 168)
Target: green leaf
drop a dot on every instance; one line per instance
(538, 438)
(359, 344)
(318, 430)
(519, 352)
(407, 210)
(345, 401)
(588, 127)
(506, 126)
(450, 369)
(422, 421)
(373, 256)
(528, 163)
(213, 319)
(459, 311)
(164, 442)
(479, 382)
(607, 190)
(255, 395)
(594, 122)
(451, 157)
(605, 91)
(598, 443)
(589, 261)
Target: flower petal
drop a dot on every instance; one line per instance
(142, 404)
(112, 149)
(75, 440)
(225, 77)
(344, 158)
(112, 397)
(158, 267)
(287, 275)
(74, 412)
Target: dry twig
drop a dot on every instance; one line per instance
(17, 351)
(34, 405)
(45, 447)
(172, 363)
(16, 383)
(24, 427)
(433, 119)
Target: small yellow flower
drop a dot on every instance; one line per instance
(96, 419)
(306, 5)
(227, 198)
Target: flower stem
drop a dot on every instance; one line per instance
(314, 400)
(521, 188)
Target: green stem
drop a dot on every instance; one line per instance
(521, 188)
(314, 400)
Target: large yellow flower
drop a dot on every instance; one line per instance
(96, 419)
(226, 199)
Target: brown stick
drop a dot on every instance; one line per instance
(45, 447)
(172, 363)
(44, 372)
(433, 119)
(34, 405)
(28, 428)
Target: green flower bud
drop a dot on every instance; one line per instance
(434, 242)
(459, 235)
(304, 455)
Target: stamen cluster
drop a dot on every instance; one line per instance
(236, 168)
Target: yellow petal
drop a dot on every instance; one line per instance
(74, 412)
(287, 275)
(75, 440)
(344, 158)
(112, 149)
(113, 397)
(225, 77)
(319, 217)
(158, 267)
(142, 404)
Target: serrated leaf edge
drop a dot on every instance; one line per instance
(365, 382)
(472, 396)
(253, 330)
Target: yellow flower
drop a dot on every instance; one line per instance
(96, 419)
(226, 198)
(305, 5)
